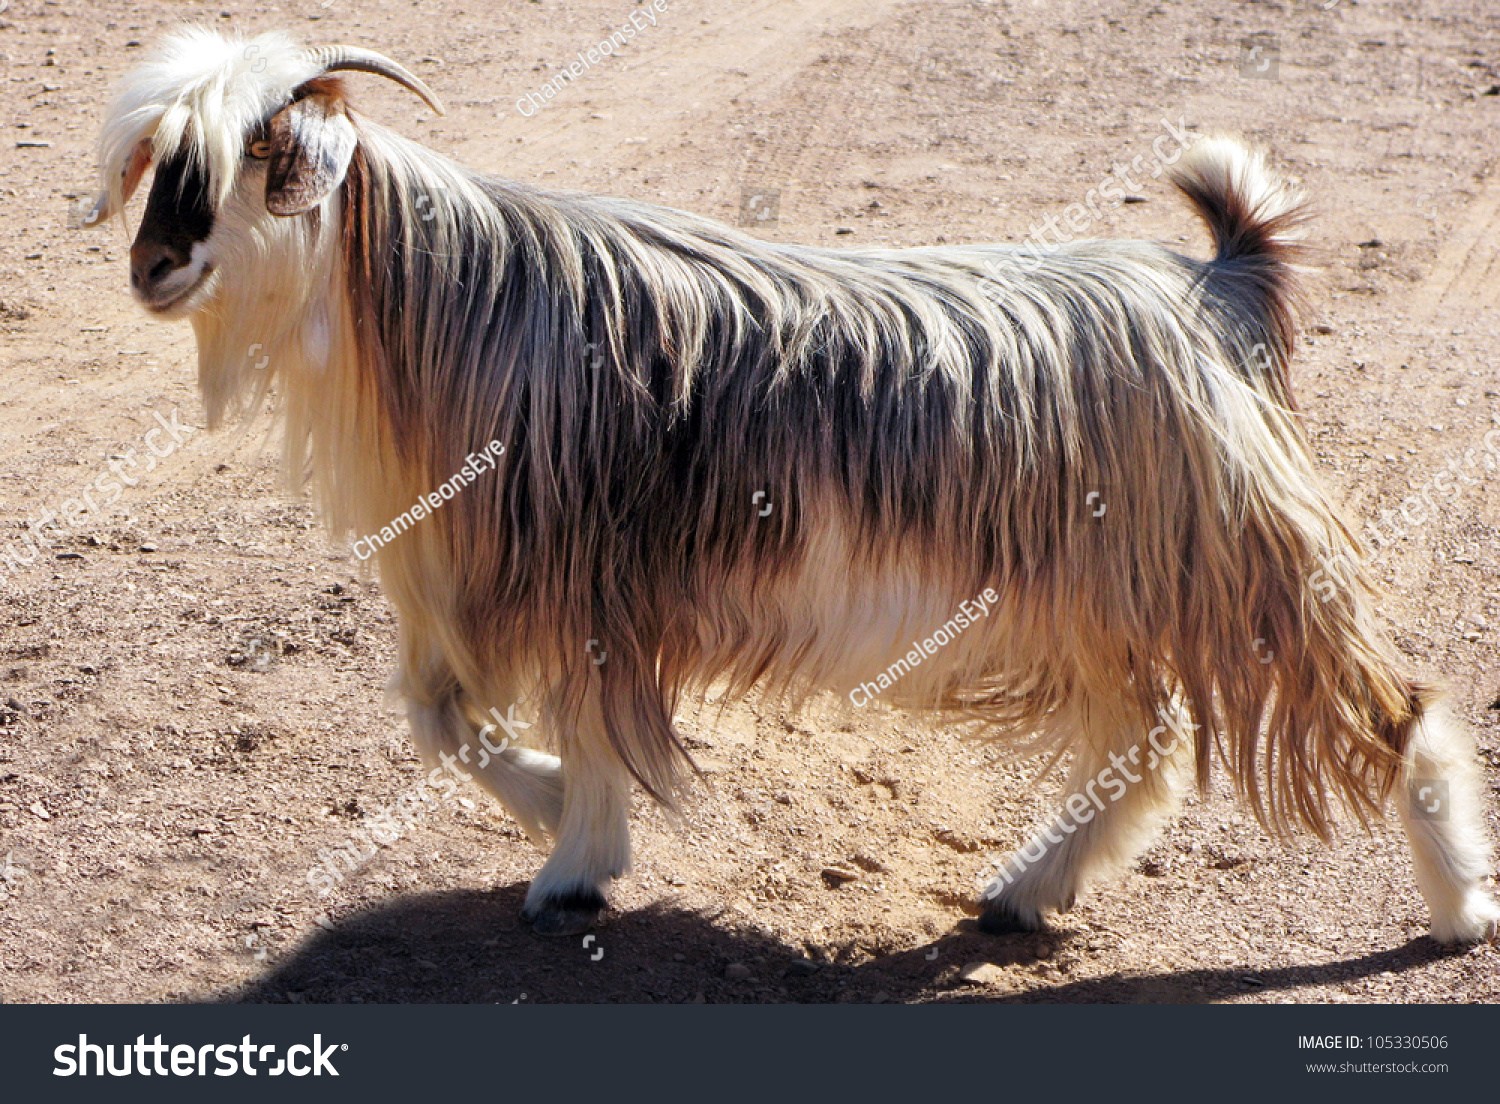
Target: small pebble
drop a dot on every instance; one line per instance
(736, 971)
(981, 973)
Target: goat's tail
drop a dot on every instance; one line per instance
(1256, 220)
(1255, 217)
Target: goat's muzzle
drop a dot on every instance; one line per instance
(163, 276)
(151, 263)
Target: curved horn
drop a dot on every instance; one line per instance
(358, 59)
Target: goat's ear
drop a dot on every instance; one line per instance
(312, 141)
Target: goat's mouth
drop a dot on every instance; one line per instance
(171, 302)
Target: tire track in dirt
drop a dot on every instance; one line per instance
(1466, 276)
(833, 104)
(734, 51)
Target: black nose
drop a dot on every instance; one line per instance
(152, 262)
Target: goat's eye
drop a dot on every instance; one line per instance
(260, 149)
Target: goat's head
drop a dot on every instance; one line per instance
(245, 137)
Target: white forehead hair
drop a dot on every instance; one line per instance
(203, 91)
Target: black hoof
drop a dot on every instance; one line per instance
(999, 919)
(566, 914)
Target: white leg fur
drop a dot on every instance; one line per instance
(1449, 847)
(593, 836)
(1049, 872)
(528, 783)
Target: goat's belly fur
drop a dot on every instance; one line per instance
(875, 631)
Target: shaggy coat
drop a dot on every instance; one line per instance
(733, 464)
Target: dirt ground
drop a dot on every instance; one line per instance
(192, 692)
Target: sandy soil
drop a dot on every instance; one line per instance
(192, 692)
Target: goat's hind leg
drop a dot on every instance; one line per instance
(1121, 787)
(1440, 804)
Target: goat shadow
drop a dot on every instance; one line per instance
(469, 947)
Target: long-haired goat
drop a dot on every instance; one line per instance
(925, 426)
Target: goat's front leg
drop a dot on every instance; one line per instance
(593, 837)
